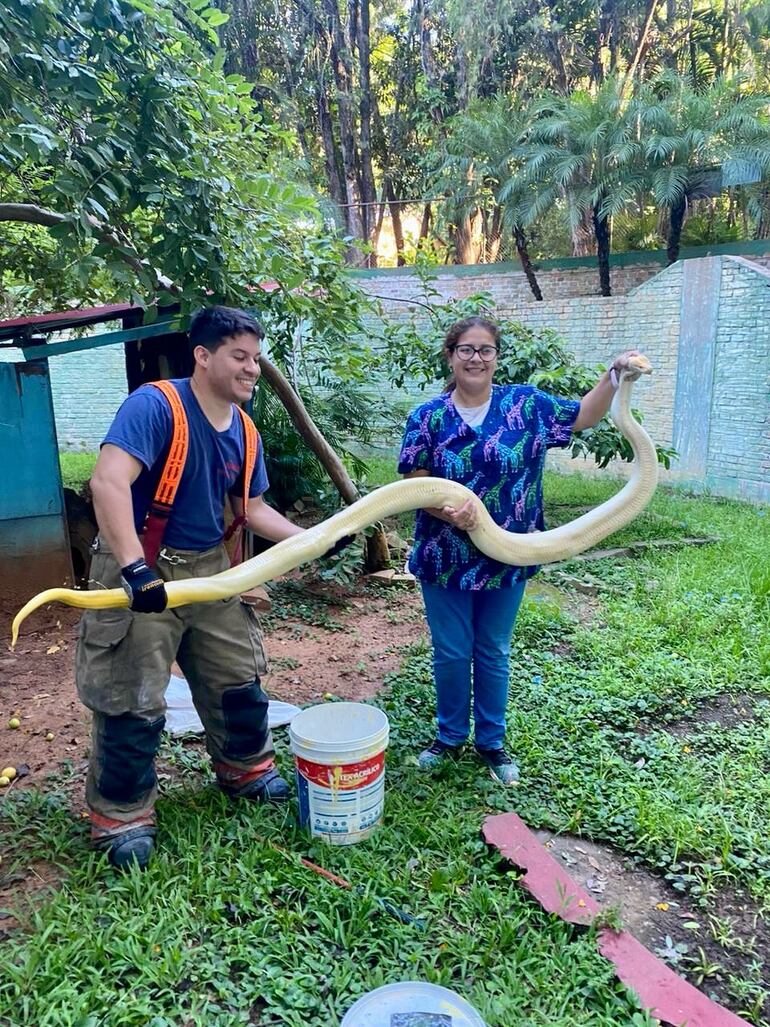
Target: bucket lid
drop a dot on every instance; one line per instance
(331, 727)
(401, 1005)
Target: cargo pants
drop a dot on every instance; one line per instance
(123, 665)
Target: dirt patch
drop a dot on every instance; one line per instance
(344, 644)
(729, 940)
(731, 709)
(37, 685)
(375, 626)
(27, 886)
(582, 607)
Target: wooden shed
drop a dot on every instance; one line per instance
(39, 547)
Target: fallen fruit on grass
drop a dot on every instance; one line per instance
(4, 782)
(13, 723)
(9, 772)
(328, 695)
(49, 736)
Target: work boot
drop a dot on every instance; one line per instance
(436, 753)
(267, 787)
(501, 766)
(131, 847)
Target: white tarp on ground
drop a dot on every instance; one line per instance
(182, 717)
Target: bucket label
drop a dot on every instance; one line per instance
(343, 803)
(344, 777)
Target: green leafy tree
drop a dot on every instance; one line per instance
(481, 176)
(692, 141)
(132, 166)
(122, 137)
(580, 152)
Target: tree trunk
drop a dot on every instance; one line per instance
(303, 423)
(602, 232)
(466, 237)
(762, 229)
(291, 89)
(604, 40)
(562, 79)
(379, 208)
(340, 58)
(331, 151)
(641, 46)
(493, 231)
(692, 48)
(526, 264)
(377, 555)
(395, 217)
(582, 235)
(425, 223)
(368, 190)
(427, 61)
(678, 211)
(724, 61)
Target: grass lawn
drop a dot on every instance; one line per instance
(224, 929)
(76, 468)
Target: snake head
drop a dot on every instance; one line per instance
(636, 364)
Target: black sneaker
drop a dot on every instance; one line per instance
(435, 754)
(502, 767)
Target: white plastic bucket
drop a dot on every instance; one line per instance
(339, 755)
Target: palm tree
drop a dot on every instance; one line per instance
(581, 152)
(482, 173)
(694, 142)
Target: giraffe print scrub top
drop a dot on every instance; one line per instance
(501, 461)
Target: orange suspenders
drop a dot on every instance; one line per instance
(251, 443)
(171, 475)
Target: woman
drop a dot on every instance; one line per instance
(493, 439)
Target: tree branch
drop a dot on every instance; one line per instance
(31, 214)
(641, 46)
(307, 429)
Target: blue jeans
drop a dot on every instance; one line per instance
(471, 634)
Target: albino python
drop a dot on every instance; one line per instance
(522, 550)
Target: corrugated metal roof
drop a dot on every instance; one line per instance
(24, 327)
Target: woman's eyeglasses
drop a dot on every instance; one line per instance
(465, 351)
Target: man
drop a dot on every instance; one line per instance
(173, 456)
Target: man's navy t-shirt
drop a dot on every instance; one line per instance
(214, 468)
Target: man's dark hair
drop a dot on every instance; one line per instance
(212, 325)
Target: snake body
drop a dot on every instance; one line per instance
(523, 550)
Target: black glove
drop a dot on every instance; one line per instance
(339, 545)
(146, 591)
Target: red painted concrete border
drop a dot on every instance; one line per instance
(665, 994)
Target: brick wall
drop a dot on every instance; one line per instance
(732, 432)
(87, 389)
(506, 283)
(739, 436)
(736, 439)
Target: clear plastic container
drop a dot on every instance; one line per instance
(412, 1004)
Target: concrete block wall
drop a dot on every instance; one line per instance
(704, 323)
(596, 328)
(506, 283)
(739, 436)
(88, 387)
